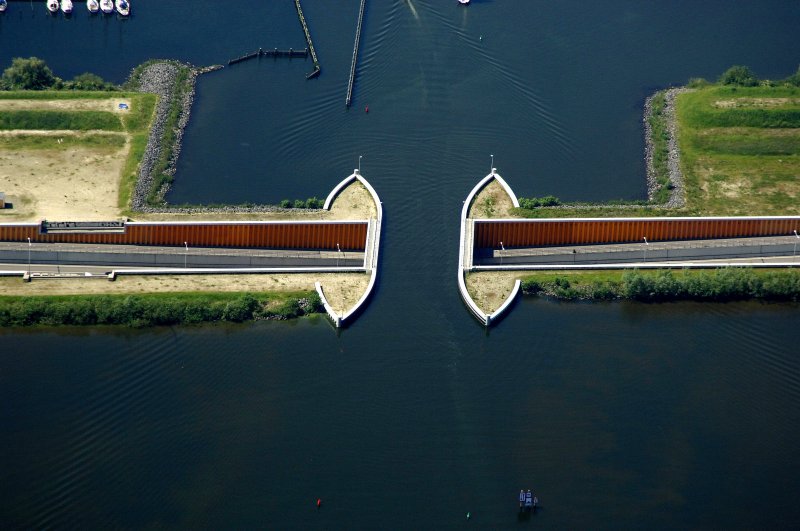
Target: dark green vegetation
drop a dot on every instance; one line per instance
(162, 177)
(666, 285)
(34, 74)
(154, 308)
(311, 202)
(740, 152)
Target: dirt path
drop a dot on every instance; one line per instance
(109, 105)
(342, 289)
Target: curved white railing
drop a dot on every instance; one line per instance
(486, 319)
(371, 248)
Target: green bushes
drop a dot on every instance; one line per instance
(34, 74)
(530, 203)
(311, 202)
(739, 75)
(154, 309)
(665, 285)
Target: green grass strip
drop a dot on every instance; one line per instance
(99, 141)
(155, 309)
(51, 120)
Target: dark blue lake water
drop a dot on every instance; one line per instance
(617, 415)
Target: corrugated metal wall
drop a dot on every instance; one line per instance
(534, 233)
(349, 236)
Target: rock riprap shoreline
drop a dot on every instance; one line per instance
(674, 174)
(161, 78)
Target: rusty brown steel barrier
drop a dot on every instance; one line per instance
(344, 235)
(544, 232)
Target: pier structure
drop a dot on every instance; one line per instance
(352, 78)
(273, 52)
(309, 42)
(518, 245)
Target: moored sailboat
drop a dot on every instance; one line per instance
(3, 5)
(52, 6)
(93, 6)
(107, 6)
(66, 6)
(123, 7)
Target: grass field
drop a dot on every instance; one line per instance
(740, 149)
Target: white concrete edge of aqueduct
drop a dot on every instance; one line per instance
(371, 249)
(463, 248)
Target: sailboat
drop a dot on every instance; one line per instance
(3, 5)
(123, 7)
(107, 6)
(93, 6)
(66, 6)
(52, 6)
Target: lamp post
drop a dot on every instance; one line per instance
(185, 254)
(794, 254)
(338, 254)
(359, 164)
(501, 256)
(491, 170)
(645, 247)
(29, 255)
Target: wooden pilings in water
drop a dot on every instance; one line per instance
(310, 43)
(275, 52)
(352, 78)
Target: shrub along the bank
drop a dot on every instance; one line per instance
(153, 309)
(665, 285)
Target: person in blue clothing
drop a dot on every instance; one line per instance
(521, 499)
(528, 500)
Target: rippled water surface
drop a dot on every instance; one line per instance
(617, 415)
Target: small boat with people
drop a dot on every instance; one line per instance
(52, 6)
(107, 6)
(66, 6)
(93, 6)
(3, 5)
(123, 7)
(527, 501)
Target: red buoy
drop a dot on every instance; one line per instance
(319, 503)
(366, 109)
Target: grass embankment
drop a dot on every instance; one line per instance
(666, 285)
(740, 150)
(154, 308)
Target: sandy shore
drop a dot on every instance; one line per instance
(106, 104)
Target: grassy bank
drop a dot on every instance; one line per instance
(740, 149)
(154, 309)
(97, 141)
(667, 285)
